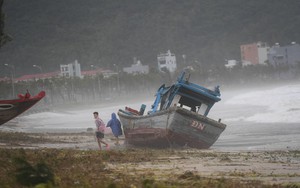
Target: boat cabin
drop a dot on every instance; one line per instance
(186, 95)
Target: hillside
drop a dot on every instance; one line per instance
(103, 33)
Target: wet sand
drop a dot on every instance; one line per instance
(267, 167)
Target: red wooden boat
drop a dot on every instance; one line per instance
(10, 109)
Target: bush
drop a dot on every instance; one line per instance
(29, 175)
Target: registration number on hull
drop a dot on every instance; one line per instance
(198, 125)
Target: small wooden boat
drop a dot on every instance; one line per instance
(10, 109)
(178, 117)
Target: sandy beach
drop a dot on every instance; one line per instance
(238, 168)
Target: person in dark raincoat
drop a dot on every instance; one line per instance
(115, 126)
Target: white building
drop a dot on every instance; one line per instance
(167, 61)
(263, 50)
(231, 63)
(71, 70)
(137, 68)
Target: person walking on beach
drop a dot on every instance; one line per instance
(100, 127)
(115, 126)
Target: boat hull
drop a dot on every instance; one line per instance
(10, 109)
(172, 127)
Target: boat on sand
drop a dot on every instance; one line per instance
(178, 117)
(10, 109)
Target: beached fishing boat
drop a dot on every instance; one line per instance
(178, 117)
(10, 109)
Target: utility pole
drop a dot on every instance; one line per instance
(118, 78)
(12, 72)
(98, 79)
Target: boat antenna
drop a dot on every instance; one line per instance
(188, 77)
(187, 70)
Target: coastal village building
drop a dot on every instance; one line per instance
(91, 73)
(263, 50)
(231, 63)
(33, 77)
(56, 74)
(288, 55)
(254, 54)
(167, 61)
(71, 70)
(137, 68)
(99, 71)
